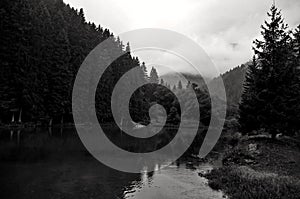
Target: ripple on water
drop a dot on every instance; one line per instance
(173, 182)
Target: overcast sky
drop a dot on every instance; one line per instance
(225, 29)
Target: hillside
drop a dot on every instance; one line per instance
(233, 82)
(173, 79)
(42, 46)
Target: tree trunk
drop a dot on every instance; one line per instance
(13, 118)
(20, 116)
(62, 120)
(121, 122)
(18, 137)
(50, 131)
(11, 134)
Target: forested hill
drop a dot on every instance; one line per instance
(173, 79)
(233, 82)
(42, 45)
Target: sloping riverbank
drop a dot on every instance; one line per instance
(259, 167)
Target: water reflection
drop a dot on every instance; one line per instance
(178, 180)
(53, 163)
(11, 134)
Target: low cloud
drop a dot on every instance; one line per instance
(225, 29)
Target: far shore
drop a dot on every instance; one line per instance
(26, 125)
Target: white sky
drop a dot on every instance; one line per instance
(225, 29)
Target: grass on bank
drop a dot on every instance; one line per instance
(244, 182)
(271, 170)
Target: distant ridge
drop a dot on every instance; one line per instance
(173, 79)
(233, 82)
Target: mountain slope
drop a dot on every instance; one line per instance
(233, 82)
(173, 79)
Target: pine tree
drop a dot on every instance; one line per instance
(174, 88)
(249, 102)
(144, 69)
(294, 102)
(154, 76)
(128, 48)
(269, 85)
(296, 44)
(179, 85)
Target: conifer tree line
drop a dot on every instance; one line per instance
(42, 45)
(44, 42)
(271, 97)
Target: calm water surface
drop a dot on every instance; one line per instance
(52, 163)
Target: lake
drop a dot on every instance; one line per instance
(53, 163)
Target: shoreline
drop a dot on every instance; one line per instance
(259, 168)
(38, 125)
(248, 166)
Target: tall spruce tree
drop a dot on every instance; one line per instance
(154, 76)
(144, 69)
(270, 83)
(249, 102)
(295, 92)
(179, 85)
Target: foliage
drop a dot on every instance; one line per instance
(154, 76)
(243, 182)
(42, 45)
(270, 99)
(233, 83)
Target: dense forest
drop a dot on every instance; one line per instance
(44, 42)
(233, 83)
